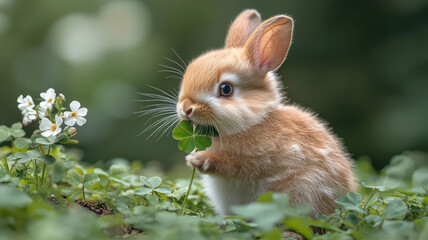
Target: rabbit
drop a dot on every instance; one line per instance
(264, 144)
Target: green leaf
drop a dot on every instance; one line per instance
(73, 177)
(373, 219)
(17, 156)
(180, 133)
(90, 179)
(4, 133)
(187, 145)
(43, 141)
(10, 197)
(351, 202)
(120, 181)
(353, 218)
(420, 179)
(16, 126)
(101, 172)
(164, 189)
(23, 157)
(266, 215)
(199, 139)
(400, 167)
(155, 182)
(33, 153)
(47, 159)
(299, 225)
(380, 188)
(395, 209)
(265, 198)
(146, 181)
(22, 142)
(202, 142)
(143, 191)
(16, 130)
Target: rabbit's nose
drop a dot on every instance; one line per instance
(189, 111)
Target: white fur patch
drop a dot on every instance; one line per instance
(225, 192)
(297, 151)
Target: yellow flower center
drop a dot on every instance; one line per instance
(53, 127)
(74, 114)
(50, 100)
(30, 103)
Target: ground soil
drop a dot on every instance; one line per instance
(97, 207)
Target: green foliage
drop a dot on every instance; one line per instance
(190, 138)
(37, 202)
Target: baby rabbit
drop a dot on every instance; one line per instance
(263, 144)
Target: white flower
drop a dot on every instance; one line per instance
(50, 129)
(76, 115)
(42, 112)
(49, 98)
(24, 103)
(29, 115)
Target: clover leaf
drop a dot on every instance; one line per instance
(190, 138)
(90, 179)
(152, 184)
(352, 202)
(22, 143)
(4, 133)
(395, 209)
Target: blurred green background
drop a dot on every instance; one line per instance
(362, 65)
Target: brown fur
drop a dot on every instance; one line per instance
(262, 141)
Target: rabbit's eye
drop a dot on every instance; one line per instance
(225, 90)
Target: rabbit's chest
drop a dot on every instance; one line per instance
(226, 192)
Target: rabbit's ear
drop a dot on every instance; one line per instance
(241, 28)
(268, 45)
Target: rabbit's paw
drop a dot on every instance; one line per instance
(198, 160)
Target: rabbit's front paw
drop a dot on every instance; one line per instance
(198, 160)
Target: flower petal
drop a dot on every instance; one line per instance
(45, 124)
(70, 121)
(46, 105)
(47, 133)
(30, 99)
(58, 120)
(22, 106)
(20, 99)
(57, 130)
(67, 114)
(80, 121)
(74, 106)
(82, 112)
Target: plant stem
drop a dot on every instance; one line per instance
(36, 175)
(83, 193)
(41, 149)
(188, 190)
(43, 173)
(368, 199)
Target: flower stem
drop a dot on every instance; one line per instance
(41, 149)
(36, 175)
(188, 190)
(83, 193)
(43, 173)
